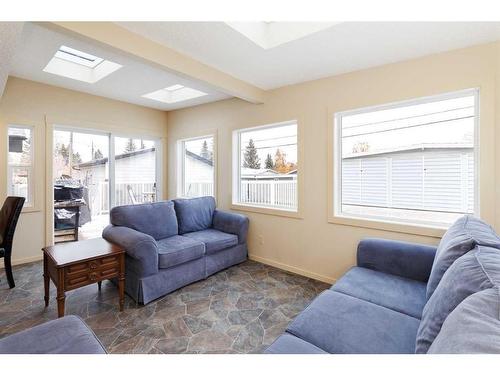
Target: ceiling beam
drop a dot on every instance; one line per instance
(115, 36)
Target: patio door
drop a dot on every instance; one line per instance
(81, 173)
(135, 170)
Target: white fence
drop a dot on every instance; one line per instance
(199, 189)
(273, 193)
(99, 200)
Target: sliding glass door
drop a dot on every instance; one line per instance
(81, 184)
(94, 172)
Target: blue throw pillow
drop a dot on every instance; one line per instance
(461, 237)
(477, 270)
(194, 214)
(473, 327)
(156, 219)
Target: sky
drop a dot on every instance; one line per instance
(83, 143)
(267, 141)
(446, 121)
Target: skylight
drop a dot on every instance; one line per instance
(269, 34)
(175, 93)
(78, 57)
(82, 66)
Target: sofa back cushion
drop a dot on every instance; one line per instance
(461, 237)
(156, 219)
(473, 327)
(194, 214)
(477, 270)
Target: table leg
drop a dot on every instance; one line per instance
(46, 280)
(61, 296)
(121, 282)
(99, 285)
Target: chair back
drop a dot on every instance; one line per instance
(9, 215)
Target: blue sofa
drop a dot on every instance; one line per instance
(171, 244)
(67, 335)
(408, 298)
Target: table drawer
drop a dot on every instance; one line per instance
(81, 274)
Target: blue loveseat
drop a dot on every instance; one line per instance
(67, 335)
(171, 244)
(409, 298)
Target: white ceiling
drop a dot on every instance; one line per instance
(38, 45)
(342, 48)
(10, 33)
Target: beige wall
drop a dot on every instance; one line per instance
(311, 245)
(43, 106)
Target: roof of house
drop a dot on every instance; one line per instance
(117, 157)
(199, 158)
(410, 148)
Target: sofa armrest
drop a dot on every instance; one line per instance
(233, 223)
(139, 246)
(405, 259)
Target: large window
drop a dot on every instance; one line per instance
(408, 162)
(196, 167)
(266, 167)
(20, 163)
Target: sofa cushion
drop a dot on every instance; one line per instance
(214, 239)
(338, 323)
(194, 214)
(289, 344)
(67, 335)
(156, 219)
(406, 296)
(461, 237)
(176, 250)
(473, 327)
(477, 270)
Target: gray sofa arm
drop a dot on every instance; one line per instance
(233, 223)
(139, 246)
(405, 259)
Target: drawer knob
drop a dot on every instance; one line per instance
(93, 265)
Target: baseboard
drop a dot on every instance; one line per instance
(286, 267)
(16, 262)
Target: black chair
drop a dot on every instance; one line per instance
(9, 214)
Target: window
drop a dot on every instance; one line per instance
(266, 167)
(196, 167)
(411, 162)
(82, 66)
(20, 163)
(175, 93)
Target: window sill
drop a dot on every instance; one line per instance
(391, 226)
(267, 211)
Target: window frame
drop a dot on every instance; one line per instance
(30, 204)
(180, 164)
(429, 228)
(236, 175)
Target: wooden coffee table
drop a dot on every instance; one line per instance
(76, 264)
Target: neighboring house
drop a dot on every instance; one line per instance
(134, 171)
(199, 175)
(266, 174)
(411, 178)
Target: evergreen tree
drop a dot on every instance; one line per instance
(205, 153)
(269, 162)
(98, 154)
(77, 159)
(130, 146)
(250, 156)
(64, 153)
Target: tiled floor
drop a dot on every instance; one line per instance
(239, 310)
